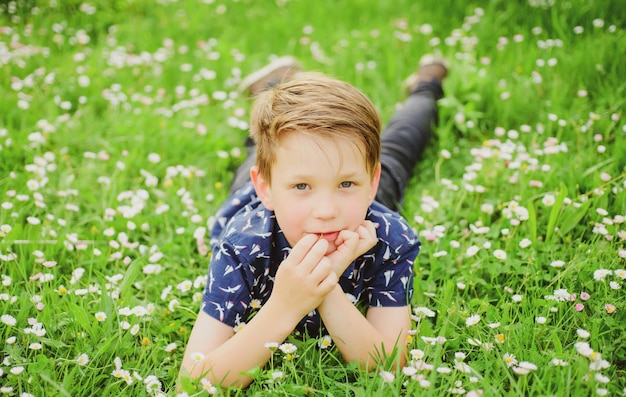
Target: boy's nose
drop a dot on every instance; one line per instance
(325, 207)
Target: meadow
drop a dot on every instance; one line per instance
(121, 125)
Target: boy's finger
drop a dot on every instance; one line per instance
(368, 227)
(313, 255)
(321, 270)
(345, 236)
(301, 249)
(367, 236)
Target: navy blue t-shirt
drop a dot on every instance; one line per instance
(248, 246)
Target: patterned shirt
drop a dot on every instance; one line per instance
(248, 246)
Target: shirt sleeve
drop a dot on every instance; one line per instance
(393, 282)
(227, 294)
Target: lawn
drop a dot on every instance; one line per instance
(121, 125)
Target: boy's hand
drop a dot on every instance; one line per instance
(304, 278)
(351, 245)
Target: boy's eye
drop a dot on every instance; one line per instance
(346, 184)
(301, 186)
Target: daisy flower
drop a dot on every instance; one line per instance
(325, 342)
(8, 320)
(387, 376)
(509, 359)
(197, 357)
(288, 348)
(83, 359)
(500, 254)
(472, 320)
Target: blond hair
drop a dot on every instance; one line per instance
(315, 104)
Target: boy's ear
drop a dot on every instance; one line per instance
(375, 181)
(262, 188)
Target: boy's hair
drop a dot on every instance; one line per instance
(319, 105)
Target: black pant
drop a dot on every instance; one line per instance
(403, 141)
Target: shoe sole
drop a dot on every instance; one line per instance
(267, 70)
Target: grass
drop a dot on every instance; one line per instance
(121, 127)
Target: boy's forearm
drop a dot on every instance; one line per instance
(228, 363)
(358, 339)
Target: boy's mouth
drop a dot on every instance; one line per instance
(330, 236)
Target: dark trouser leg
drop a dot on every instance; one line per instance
(242, 173)
(404, 139)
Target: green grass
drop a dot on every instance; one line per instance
(533, 114)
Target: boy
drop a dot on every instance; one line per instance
(302, 242)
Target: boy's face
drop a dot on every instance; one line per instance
(318, 186)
